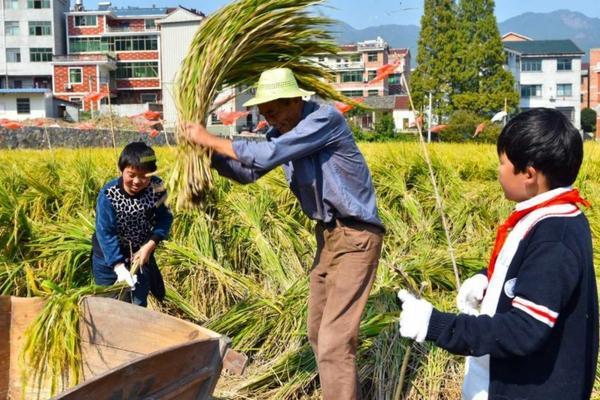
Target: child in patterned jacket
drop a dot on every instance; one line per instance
(131, 219)
(529, 323)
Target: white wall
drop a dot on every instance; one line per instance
(549, 78)
(399, 117)
(40, 105)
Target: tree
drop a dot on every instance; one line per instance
(588, 120)
(482, 84)
(437, 64)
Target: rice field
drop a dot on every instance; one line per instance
(239, 265)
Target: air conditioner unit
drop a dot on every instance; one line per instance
(68, 86)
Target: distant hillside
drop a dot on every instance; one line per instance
(560, 24)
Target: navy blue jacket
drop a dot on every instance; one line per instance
(529, 358)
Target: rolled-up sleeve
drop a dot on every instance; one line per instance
(312, 134)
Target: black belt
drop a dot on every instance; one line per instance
(351, 223)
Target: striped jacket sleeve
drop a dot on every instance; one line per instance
(547, 278)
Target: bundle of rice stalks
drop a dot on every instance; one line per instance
(231, 48)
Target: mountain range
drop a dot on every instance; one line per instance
(560, 24)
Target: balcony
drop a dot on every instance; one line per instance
(346, 65)
(131, 29)
(106, 58)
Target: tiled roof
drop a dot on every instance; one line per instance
(402, 103)
(544, 47)
(399, 51)
(388, 102)
(349, 47)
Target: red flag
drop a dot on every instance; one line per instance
(479, 129)
(384, 71)
(229, 118)
(438, 128)
(151, 115)
(343, 107)
(153, 133)
(418, 122)
(8, 124)
(95, 96)
(261, 125)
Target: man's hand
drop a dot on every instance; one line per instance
(123, 275)
(198, 134)
(142, 256)
(414, 320)
(471, 293)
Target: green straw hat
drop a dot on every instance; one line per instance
(277, 83)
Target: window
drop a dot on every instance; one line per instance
(137, 70)
(23, 106)
(568, 112)
(352, 93)
(12, 4)
(564, 90)
(371, 57)
(40, 28)
(38, 3)
(214, 119)
(373, 92)
(90, 45)
(40, 54)
(76, 100)
(11, 28)
(13, 55)
(86, 20)
(394, 79)
(564, 64)
(321, 59)
(148, 97)
(355, 57)
(531, 91)
(371, 75)
(135, 43)
(150, 24)
(531, 65)
(75, 75)
(17, 84)
(351, 76)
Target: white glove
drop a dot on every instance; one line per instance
(471, 294)
(414, 320)
(123, 275)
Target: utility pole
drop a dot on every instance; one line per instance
(429, 121)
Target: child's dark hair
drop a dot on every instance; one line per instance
(546, 140)
(138, 155)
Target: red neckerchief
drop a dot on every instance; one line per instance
(570, 197)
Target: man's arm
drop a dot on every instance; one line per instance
(199, 135)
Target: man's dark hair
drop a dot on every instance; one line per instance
(138, 155)
(546, 140)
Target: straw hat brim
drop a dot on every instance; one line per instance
(285, 94)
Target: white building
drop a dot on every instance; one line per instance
(548, 73)
(32, 31)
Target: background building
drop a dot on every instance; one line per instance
(548, 73)
(357, 64)
(31, 31)
(114, 50)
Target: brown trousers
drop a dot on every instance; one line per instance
(340, 282)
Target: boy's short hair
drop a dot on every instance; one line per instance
(138, 155)
(546, 140)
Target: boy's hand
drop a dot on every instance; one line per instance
(471, 293)
(123, 275)
(142, 256)
(414, 320)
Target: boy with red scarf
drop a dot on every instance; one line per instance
(529, 324)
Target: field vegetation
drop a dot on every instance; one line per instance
(239, 264)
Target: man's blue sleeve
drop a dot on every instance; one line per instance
(233, 169)
(106, 231)
(312, 134)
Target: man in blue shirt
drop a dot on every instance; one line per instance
(329, 176)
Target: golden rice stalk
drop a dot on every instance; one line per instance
(231, 49)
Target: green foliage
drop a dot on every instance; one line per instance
(462, 125)
(588, 120)
(384, 124)
(240, 266)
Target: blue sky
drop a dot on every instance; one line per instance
(363, 13)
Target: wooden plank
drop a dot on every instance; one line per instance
(4, 345)
(23, 313)
(128, 327)
(146, 377)
(235, 362)
(98, 359)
